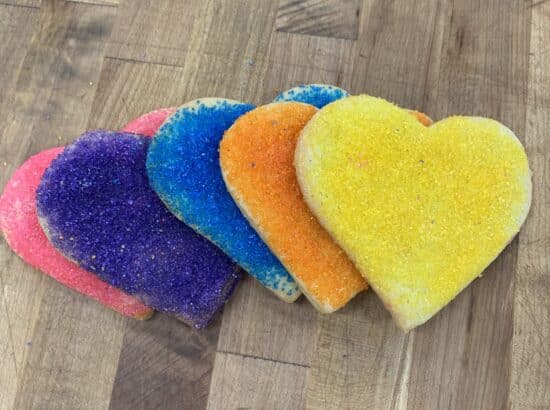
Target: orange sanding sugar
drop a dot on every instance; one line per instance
(422, 118)
(256, 156)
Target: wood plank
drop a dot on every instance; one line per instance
(165, 364)
(73, 354)
(395, 52)
(258, 324)
(128, 89)
(361, 358)
(236, 28)
(158, 31)
(296, 59)
(229, 76)
(22, 3)
(530, 378)
(120, 96)
(59, 75)
(167, 31)
(98, 2)
(465, 352)
(251, 383)
(228, 57)
(8, 363)
(226, 63)
(326, 18)
(17, 25)
(22, 292)
(49, 106)
(461, 357)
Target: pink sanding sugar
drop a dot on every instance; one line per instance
(149, 123)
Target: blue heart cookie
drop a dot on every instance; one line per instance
(183, 168)
(317, 95)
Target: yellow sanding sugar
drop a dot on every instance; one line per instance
(421, 210)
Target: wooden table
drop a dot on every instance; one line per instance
(67, 66)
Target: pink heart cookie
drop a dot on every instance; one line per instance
(149, 123)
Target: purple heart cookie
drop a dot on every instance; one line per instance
(96, 207)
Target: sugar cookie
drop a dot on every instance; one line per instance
(256, 157)
(96, 206)
(421, 210)
(183, 168)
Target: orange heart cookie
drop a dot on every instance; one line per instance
(256, 157)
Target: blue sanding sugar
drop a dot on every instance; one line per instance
(317, 95)
(97, 207)
(183, 168)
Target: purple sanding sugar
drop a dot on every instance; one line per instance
(97, 208)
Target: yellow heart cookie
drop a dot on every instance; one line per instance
(420, 210)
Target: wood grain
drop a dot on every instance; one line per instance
(164, 365)
(327, 18)
(360, 359)
(396, 55)
(77, 64)
(22, 3)
(98, 2)
(256, 324)
(230, 62)
(17, 26)
(156, 32)
(8, 363)
(296, 59)
(128, 89)
(73, 354)
(530, 362)
(235, 384)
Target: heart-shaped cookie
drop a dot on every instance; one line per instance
(149, 123)
(183, 169)
(256, 156)
(421, 210)
(97, 208)
(317, 95)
